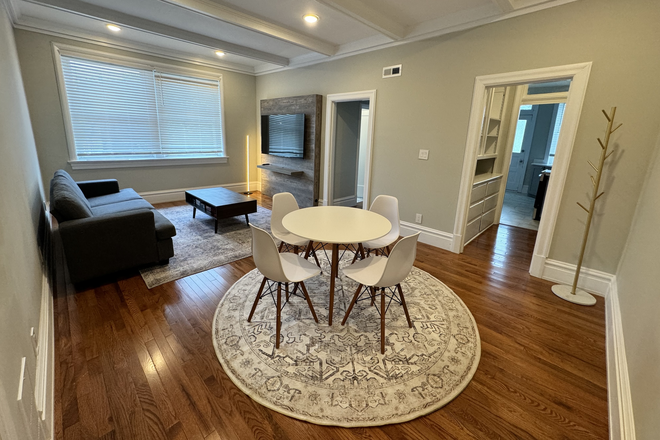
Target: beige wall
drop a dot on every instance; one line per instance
(428, 107)
(37, 65)
(639, 297)
(21, 199)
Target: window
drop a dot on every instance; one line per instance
(119, 113)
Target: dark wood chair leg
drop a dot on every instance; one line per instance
(403, 303)
(372, 292)
(350, 307)
(387, 248)
(295, 250)
(278, 324)
(281, 246)
(309, 301)
(256, 300)
(382, 320)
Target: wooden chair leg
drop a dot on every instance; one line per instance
(350, 307)
(279, 249)
(295, 250)
(387, 248)
(382, 320)
(372, 292)
(403, 303)
(309, 301)
(256, 300)
(315, 258)
(278, 323)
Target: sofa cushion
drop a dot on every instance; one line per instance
(164, 228)
(121, 196)
(128, 205)
(67, 201)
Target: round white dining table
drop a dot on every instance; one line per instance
(336, 225)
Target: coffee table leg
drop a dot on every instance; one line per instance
(194, 211)
(247, 220)
(334, 269)
(216, 225)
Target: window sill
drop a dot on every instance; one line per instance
(140, 163)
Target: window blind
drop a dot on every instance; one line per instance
(126, 113)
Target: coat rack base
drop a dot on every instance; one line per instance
(581, 297)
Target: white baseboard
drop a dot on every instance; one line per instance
(622, 424)
(591, 280)
(45, 374)
(442, 240)
(179, 194)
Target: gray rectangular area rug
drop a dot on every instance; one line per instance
(197, 248)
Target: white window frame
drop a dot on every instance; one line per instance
(94, 55)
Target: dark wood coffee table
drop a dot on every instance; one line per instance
(220, 203)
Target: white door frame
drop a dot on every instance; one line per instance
(330, 121)
(579, 75)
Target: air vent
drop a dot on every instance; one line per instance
(391, 71)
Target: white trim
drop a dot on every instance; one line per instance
(545, 98)
(140, 163)
(179, 194)
(330, 118)
(44, 388)
(579, 73)
(433, 237)
(621, 419)
(592, 280)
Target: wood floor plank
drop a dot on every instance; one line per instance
(133, 363)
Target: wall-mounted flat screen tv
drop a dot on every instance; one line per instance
(283, 135)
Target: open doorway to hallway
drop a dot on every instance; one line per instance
(348, 146)
(532, 157)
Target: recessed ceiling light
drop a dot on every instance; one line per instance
(311, 18)
(219, 53)
(113, 27)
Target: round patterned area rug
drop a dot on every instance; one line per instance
(336, 375)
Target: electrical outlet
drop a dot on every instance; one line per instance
(418, 218)
(423, 154)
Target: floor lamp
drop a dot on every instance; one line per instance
(248, 192)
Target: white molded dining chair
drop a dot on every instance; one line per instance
(388, 207)
(279, 268)
(284, 203)
(386, 274)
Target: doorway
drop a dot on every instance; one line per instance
(578, 74)
(348, 148)
(532, 155)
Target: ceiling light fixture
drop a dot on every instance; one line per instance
(219, 53)
(311, 18)
(113, 27)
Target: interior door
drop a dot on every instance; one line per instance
(521, 146)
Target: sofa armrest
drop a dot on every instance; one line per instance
(95, 188)
(110, 243)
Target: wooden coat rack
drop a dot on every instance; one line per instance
(572, 293)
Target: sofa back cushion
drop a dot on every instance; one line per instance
(67, 202)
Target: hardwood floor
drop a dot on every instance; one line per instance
(134, 363)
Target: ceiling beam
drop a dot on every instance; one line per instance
(244, 20)
(505, 5)
(130, 21)
(368, 16)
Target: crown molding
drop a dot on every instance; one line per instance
(54, 30)
(108, 15)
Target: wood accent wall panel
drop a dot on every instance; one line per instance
(306, 187)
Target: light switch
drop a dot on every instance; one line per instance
(423, 154)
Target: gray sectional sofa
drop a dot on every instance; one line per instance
(104, 230)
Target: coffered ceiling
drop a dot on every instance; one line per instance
(260, 36)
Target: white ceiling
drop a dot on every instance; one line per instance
(261, 36)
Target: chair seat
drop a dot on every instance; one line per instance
(297, 269)
(368, 271)
(379, 242)
(292, 239)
